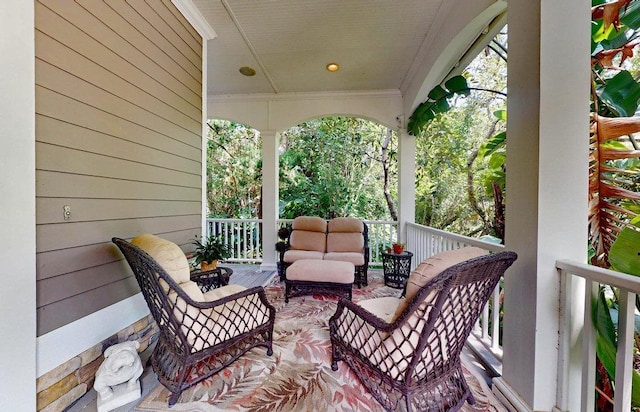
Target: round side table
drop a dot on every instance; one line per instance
(396, 268)
(212, 279)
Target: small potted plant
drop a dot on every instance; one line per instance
(398, 248)
(283, 234)
(209, 251)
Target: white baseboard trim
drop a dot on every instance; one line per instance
(60, 345)
(509, 398)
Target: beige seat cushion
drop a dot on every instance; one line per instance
(432, 267)
(384, 307)
(292, 255)
(321, 271)
(354, 257)
(222, 292)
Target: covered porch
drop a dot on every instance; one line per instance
(544, 365)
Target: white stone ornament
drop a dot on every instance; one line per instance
(117, 377)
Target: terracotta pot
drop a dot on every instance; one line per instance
(208, 266)
(398, 249)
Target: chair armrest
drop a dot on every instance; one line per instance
(345, 306)
(257, 290)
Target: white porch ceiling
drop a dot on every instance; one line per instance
(379, 44)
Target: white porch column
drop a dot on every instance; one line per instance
(547, 171)
(406, 181)
(269, 199)
(17, 207)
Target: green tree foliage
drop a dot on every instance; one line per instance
(455, 186)
(332, 167)
(233, 170)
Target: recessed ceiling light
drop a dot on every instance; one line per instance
(333, 67)
(247, 71)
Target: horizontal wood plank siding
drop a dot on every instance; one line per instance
(118, 139)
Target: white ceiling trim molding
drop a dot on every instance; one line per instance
(197, 20)
(271, 112)
(252, 97)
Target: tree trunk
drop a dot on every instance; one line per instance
(384, 159)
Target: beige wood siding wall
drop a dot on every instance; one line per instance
(118, 139)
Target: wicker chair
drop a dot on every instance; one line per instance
(200, 334)
(412, 362)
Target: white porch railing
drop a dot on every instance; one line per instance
(245, 240)
(485, 340)
(243, 236)
(593, 276)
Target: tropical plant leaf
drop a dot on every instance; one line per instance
(492, 145)
(609, 194)
(609, 13)
(606, 344)
(457, 84)
(621, 94)
(501, 114)
(624, 255)
(631, 15)
(436, 103)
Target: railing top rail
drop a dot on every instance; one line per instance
(492, 247)
(600, 275)
(235, 220)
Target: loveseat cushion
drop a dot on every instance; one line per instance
(167, 254)
(346, 225)
(357, 258)
(306, 240)
(345, 242)
(310, 224)
(293, 255)
(432, 267)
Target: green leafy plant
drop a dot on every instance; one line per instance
(211, 249)
(437, 102)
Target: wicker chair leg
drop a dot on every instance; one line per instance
(471, 399)
(174, 398)
(335, 357)
(287, 291)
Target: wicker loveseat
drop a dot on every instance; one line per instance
(407, 351)
(340, 239)
(200, 333)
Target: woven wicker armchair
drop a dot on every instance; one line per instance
(408, 353)
(200, 333)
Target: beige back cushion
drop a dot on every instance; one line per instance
(345, 242)
(309, 223)
(345, 224)
(305, 240)
(167, 254)
(432, 267)
(345, 235)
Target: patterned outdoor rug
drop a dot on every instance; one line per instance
(298, 376)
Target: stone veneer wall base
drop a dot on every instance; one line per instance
(61, 387)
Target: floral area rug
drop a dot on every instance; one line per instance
(298, 376)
